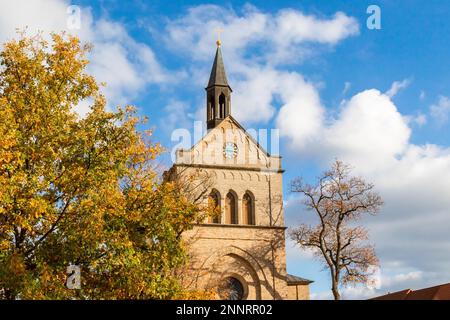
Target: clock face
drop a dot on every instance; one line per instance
(230, 150)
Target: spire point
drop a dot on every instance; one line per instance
(218, 42)
(218, 76)
(218, 92)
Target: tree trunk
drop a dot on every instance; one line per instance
(336, 293)
(335, 287)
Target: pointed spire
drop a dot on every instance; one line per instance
(218, 93)
(218, 76)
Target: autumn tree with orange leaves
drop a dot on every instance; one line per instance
(80, 190)
(339, 201)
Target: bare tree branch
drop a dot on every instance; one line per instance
(339, 200)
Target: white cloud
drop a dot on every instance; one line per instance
(284, 37)
(403, 278)
(46, 16)
(252, 98)
(292, 27)
(301, 114)
(422, 95)
(387, 284)
(414, 180)
(441, 110)
(367, 130)
(83, 107)
(420, 119)
(177, 116)
(196, 31)
(397, 86)
(126, 65)
(347, 86)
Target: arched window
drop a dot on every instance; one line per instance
(212, 108)
(248, 209)
(222, 105)
(231, 212)
(231, 289)
(214, 197)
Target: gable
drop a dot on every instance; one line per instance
(210, 150)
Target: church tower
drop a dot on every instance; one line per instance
(240, 253)
(218, 92)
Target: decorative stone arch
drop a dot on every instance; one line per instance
(214, 174)
(247, 150)
(241, 137)
(211, 266)
(242, 281)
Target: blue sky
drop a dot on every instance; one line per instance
(327, 87)
(412, 44)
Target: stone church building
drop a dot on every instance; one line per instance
(240, 253)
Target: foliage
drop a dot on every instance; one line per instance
(80, 190)
(196, 295)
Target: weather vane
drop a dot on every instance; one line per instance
(219, 31)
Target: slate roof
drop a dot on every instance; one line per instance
(218, 76)
(293, 280)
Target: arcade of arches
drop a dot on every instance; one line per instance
(231, 211)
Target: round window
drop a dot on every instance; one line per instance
(230, 150)
(231, 289)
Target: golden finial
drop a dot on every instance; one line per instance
(219, 31)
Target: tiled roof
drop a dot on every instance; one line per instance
(441, 292)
